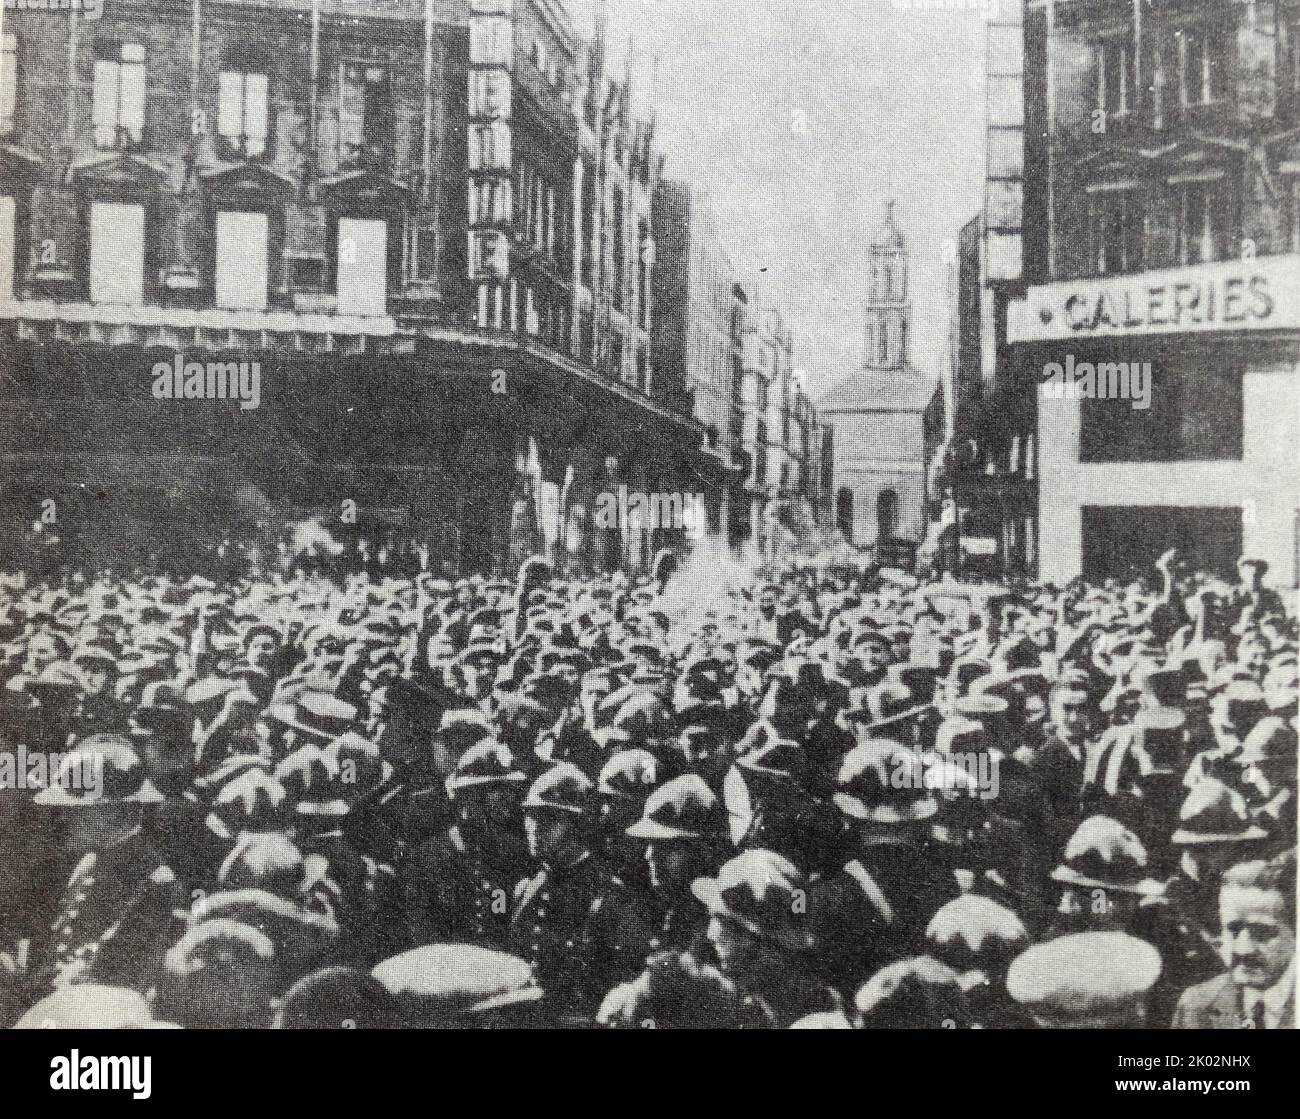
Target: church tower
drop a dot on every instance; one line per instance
(888, 310)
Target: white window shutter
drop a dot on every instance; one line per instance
(230, 103)
(362, 267)
(8, 246)
(133, 96)
(104, 103)
(242, 266)
(116, 253)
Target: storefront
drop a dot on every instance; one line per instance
(1168, 412)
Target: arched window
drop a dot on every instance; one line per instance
(844, 512)
(886, 514)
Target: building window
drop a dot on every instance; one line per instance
(1117, 232)
(880, 337)
(620, 249)
(489, 94)
(532, 319)
(119, 93)
(242, 111)
(489, 147)
(550, 221)
(489, 252)
(365, 114)
(1200, 51)
(420, 252)
(491, 202)
(898, 280)
(1196, 411)
(1115, 77)
(887, 514)
(1198, 223)
(241, 265)
(491, 41)
(8, 82)
(588, 222)
(362, 268)
(539, 213)
(1294, 183)
(8, 246)
(1293, 54)
(117, 253)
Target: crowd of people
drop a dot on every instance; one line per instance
(819, 797)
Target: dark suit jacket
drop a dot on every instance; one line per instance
(1217, 1004)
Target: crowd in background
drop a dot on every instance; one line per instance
(825, 796)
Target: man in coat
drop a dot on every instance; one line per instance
(1257, 914)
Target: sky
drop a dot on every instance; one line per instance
(798, 119)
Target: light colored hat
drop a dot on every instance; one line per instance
(1084, 980)
(89, 1006)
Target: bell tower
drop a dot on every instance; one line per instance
(888, 310)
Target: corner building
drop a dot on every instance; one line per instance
(1163, 229)
(385, 205)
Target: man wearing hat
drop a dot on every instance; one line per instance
(99, 709)
(1215, 831)
(677, 991)
(624, 782)
(683, 832)
(1105, 874)
(113, 917)
(761, 935)
(920, 993)
(1250, 592)
(573, 918)
(1057, 769)
(978, 938)
(459, 886)
(220, 974)
(769, 804)
(894, 868)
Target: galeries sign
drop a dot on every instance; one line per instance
(1258, 294)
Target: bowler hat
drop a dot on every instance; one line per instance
(1212, 812)
(1104, 854)
(336, 998)
(684, 808)
(488, 763)
(974, 933)
(318, 714)
(562, 788)
(884, 782)
(759, 890)
(251, 799)
(920, 991)
(103, 769)
(628, 775)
